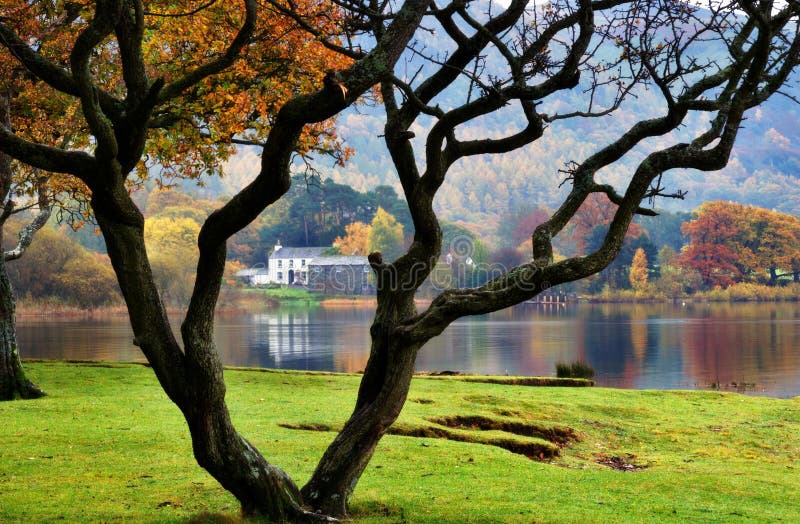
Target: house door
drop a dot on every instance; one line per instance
(291, 276)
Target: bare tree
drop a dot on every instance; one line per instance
(615, 46)
(543, 53)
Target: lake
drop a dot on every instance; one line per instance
(750, 346)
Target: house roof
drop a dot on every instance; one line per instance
(340, 260)
(298, 252)
(252, 272)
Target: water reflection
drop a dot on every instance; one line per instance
(633, 346)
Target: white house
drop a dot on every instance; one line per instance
(289, 265)
(255, 276)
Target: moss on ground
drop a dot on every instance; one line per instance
(107, 445)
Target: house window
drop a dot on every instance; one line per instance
(291, 263)
(303, 275)
(280, 264)
(280, 275)
(303, 262)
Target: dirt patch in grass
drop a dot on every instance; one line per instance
(555, 434)
(532, 449)
(213, 518)
(537, 442)
(625, 463)
(306, 426)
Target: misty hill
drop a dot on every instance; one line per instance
(762, 171)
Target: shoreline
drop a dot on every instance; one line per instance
(750, 389)
(237, 300)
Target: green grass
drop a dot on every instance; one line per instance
(285, 293)
(106, 445)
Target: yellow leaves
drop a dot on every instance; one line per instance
(355, 241)
(638, 272)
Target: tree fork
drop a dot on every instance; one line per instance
(196, 387)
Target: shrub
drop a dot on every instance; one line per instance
(577, 369)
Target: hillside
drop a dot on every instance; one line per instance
(762, 170)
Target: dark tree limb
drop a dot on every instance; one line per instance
(217, 65)
(47, 158)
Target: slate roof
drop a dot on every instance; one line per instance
(340, 260)
(298, 252)
(252, 272)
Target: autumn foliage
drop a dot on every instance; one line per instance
(192, 134)
(730, 242)
(355, 241)
(596, 211)
(638, 273)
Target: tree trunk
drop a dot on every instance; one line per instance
(773, 276)
(13, 383)
(381, 396)
(192, 379)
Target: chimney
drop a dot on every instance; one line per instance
(277, 247)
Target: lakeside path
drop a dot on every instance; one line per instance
(106, 445)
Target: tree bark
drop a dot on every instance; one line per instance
(194, 379)
(13, 382)
(381, 396)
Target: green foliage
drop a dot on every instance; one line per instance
(617, 274)
(456, 236)
(137, 465)
(316, 212)
(516, 227)
(665, 229)
(386, 236)
(577, 369)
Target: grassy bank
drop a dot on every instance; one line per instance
(742, 292)
(106, 445)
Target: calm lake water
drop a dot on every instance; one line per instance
(630, 346)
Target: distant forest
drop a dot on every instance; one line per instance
(717, 245)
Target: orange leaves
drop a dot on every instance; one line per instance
(596, 210)
(195, 131)
(731, 242)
